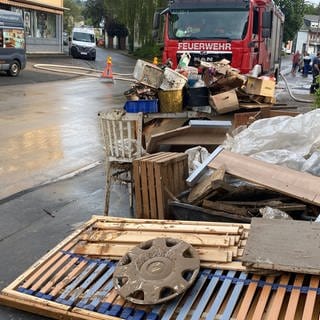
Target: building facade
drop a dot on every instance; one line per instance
(43, 21)
(308, 37)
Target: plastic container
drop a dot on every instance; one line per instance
(170, 101)
(145, 106)
(148, 74)
(197, 97)
(172, 80)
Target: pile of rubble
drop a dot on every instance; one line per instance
(215, 88)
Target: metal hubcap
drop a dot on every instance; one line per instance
(156, 271)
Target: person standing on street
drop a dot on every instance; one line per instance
(295, 62)
(315, 72)
(306, 64)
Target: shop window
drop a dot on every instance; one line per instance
(27, 23)
(46, 25)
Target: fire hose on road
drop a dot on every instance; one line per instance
(89, 72)
(290, 92)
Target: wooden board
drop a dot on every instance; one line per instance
(188, 136)
(300, 185)
(283, 245)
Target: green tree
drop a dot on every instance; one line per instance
(312, 9)
(135, 15)
(72, 15)
(294, 12)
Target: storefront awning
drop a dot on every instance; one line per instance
(34, 5)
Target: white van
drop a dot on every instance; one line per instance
(83, 43)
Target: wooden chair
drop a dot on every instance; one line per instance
(122, 135)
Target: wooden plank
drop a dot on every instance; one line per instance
(193, 294)
(275, 308)
(121, 220)
(311, 298)
(141, 236)
(137, 189)
(273, 245)
(220, 296)
(227, 313)
(152, 191)
(248, 298)
(220, 206)
(294, 298)
(171, 226)
(116, 251)
(202, 189)
(300, 185)
(263, 299)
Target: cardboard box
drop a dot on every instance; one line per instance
(260, 87)
(224, 102)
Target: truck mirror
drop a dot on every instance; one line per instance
(156, 20)
(267, 20)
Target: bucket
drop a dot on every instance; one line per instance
(172, 80)
(170, 101)
(197, 97)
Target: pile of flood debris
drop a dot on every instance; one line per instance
(212, 88)
(270, 169)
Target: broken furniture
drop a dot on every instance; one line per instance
(122, 136)
(74, 279)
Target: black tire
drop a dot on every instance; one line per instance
(14, 69)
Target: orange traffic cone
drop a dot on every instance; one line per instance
(107, 72)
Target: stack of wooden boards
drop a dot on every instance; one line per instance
(65, 284)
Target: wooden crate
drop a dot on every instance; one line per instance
(66, 285)
(156, 177)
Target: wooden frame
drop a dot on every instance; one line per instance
(67, 286)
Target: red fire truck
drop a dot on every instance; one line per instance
(246, 32)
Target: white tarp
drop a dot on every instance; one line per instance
(293, 142)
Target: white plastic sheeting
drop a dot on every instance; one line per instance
(293, 142)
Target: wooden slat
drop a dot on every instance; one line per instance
(171, 226)
(300, 185)
(275, 308)
(294, 298)
(138, 189)
(248, 298)
(117, 251)
(152, 191)
(220, 296)
(311, 298)
(263, 299)
(141, 236)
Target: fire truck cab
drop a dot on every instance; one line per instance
(246, 32)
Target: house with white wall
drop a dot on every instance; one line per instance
(308, 37)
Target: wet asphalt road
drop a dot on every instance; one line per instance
(50, 128)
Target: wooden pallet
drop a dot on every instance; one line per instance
(66, 285)
(158, 177)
